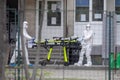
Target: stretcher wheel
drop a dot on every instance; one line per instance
(43, 63)
(66, 64)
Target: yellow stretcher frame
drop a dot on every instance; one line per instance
(57, 42)
(64, 53)
(49, 53)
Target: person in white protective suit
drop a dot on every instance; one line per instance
(26, 37)
(86, 41)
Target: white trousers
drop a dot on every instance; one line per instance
(86, 50)
(15, 53)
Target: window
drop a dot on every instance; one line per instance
(117, 3)
(82, 10)
(97, 10)
(53, 14)
(117, 9)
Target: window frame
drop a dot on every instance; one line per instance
(98, 14)
(91, 12)
(84, 15)
(57, 12)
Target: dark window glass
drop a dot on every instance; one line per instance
(98, 10)
(117, 3)
(54, 14)
(82, 3)
(117, 6)
(117, 9)
(82, 10)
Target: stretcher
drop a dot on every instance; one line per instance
(65, 43)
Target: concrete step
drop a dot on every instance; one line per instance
(73, 67)
(57, 56)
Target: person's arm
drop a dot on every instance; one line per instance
(26, 35)
(87, 37)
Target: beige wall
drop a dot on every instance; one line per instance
(30, 15)
(110, 5)
(70, 17)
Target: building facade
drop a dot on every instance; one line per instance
(65, 18)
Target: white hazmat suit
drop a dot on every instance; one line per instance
(26, 37)
(86, 42)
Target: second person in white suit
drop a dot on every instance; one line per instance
(87, 41)
(26, 37)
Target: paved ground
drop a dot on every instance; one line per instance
(60, 72)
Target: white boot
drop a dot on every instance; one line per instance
(78, 64)
(88, 64)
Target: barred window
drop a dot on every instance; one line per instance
(82, 10)
(54, 13)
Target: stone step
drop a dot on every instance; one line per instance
(73, 67)
(57, 56)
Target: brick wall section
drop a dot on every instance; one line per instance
(30, 13)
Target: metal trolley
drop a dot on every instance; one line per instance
(72, 46)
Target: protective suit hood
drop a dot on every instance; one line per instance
(88, 27)
(25, 33)
(25, 24)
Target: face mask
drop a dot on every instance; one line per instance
(25, 25)
(87, 28)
